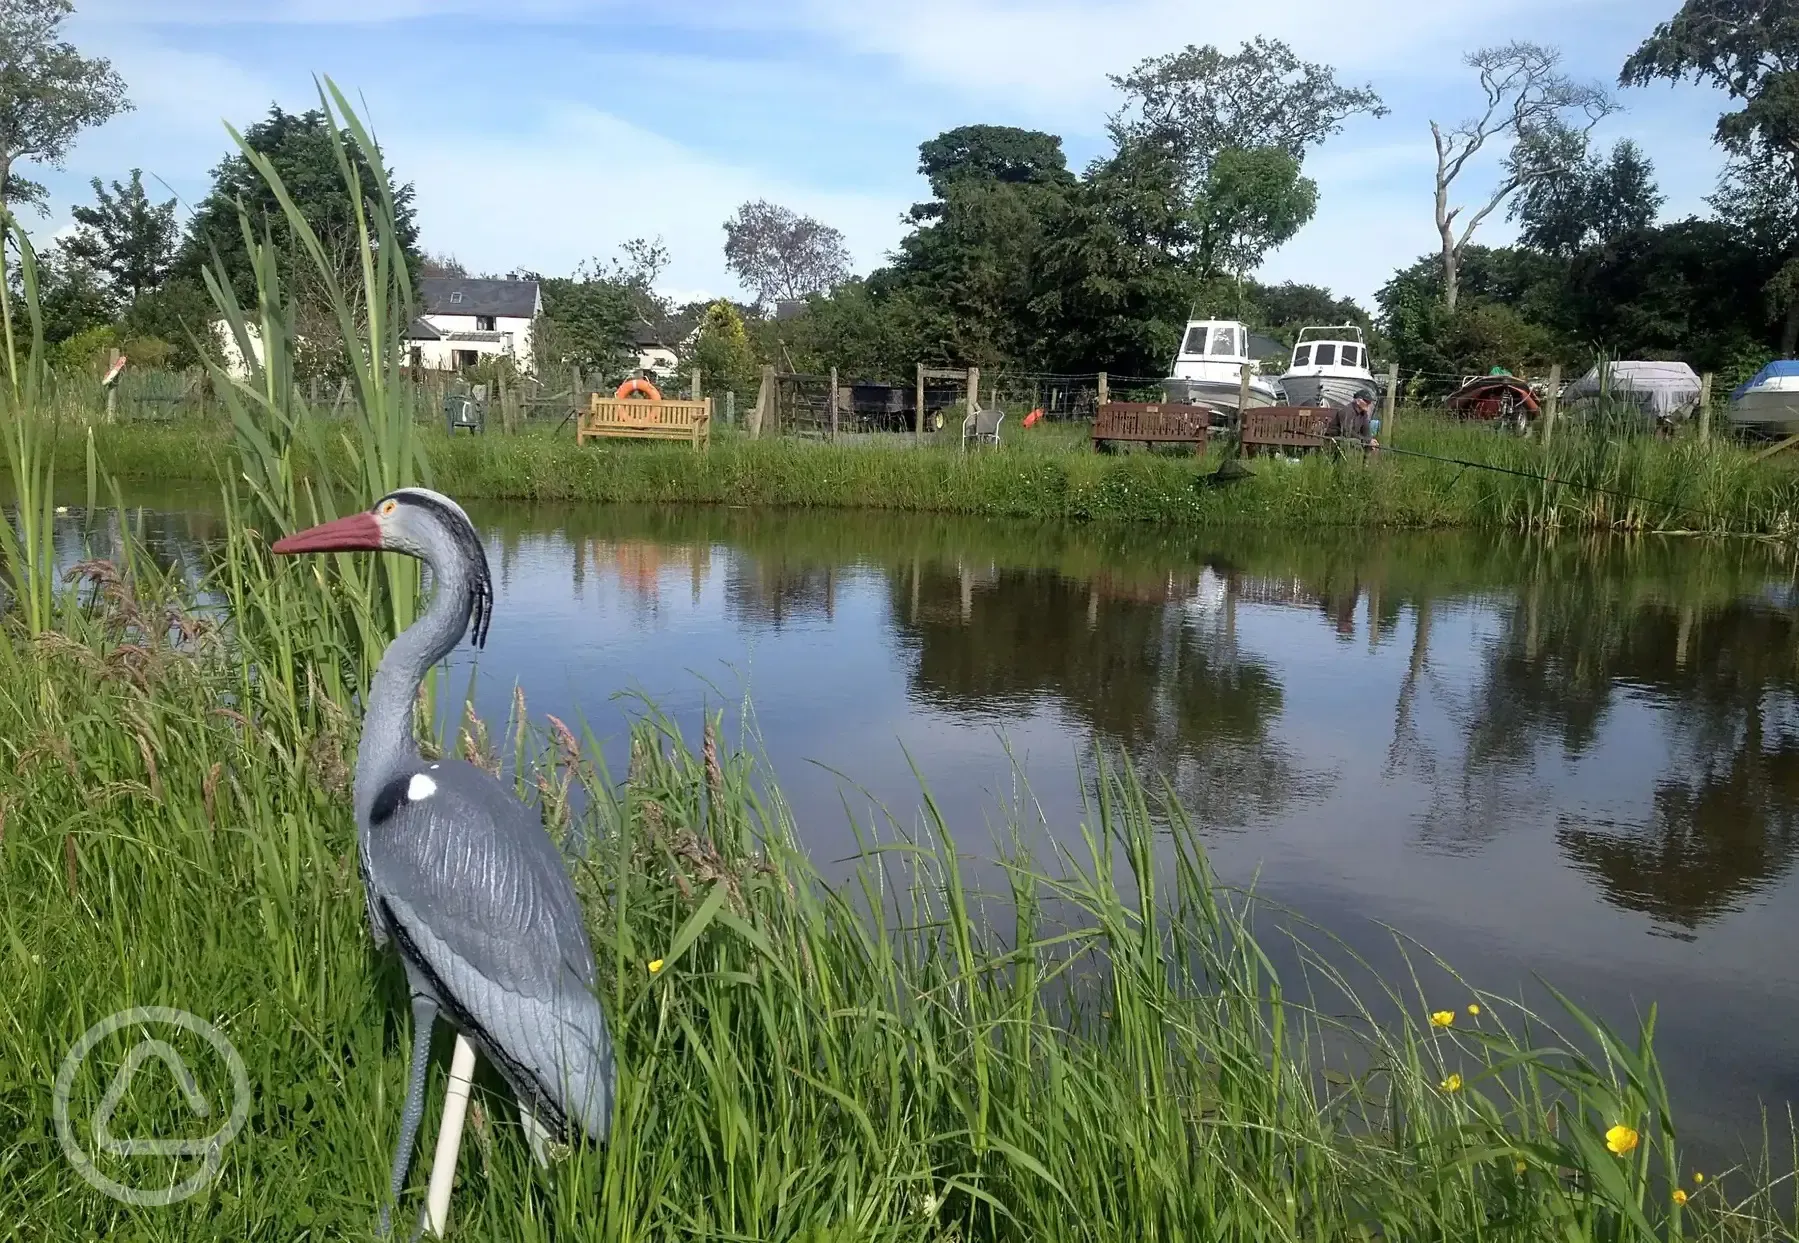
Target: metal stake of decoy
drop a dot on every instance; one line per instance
(461, 877)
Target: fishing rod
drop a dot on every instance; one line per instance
(1540, 478)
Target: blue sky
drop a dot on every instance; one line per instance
(543, 132)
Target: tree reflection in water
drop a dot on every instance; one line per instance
(1147, 662)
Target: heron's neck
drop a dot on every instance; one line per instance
(387, 742)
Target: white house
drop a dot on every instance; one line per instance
(464, 321)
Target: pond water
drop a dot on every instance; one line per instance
(1576, 759)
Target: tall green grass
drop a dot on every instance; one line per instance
(1584, 481)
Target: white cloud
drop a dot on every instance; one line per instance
(549, 196)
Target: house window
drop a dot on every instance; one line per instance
(484, 323)
(418, 357)
(456, 297)
(467, 358)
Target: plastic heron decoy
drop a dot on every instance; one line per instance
(461, 877)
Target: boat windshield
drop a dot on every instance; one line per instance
(1326, 355)
(1196, 341)
(1349, 356)
(1224, 342)
(1302, 357)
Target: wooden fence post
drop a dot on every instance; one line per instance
(696, 384)
(1243, 392)
(759, 413)
(833, 405)
(1705, 407)
(918, 422)
(730, 406)
(1103, 396)
(1552, 404)
(1390, 415)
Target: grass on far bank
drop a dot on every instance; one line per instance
(1601, 483)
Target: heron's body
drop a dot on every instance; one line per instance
(475, 897)
(461, 878)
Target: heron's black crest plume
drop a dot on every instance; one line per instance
(468, 542)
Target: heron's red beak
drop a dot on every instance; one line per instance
(357, 533)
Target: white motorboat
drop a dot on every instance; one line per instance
(1330, 365)
(1208, 370)
(1770, 401)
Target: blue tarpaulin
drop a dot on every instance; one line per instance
(1783, 369)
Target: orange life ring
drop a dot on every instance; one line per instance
(637, 385)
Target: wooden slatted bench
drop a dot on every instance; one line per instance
(1151, 423)
(1285, 428)
(642, 419)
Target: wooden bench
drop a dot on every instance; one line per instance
(642, 419)
(1151, 423)
(1285, 427)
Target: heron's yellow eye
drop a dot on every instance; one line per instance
(387, 507)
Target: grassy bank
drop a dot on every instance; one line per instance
(1602, 484)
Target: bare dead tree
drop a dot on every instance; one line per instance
(778, 253)
(1546, 115)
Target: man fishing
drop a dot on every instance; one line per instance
(1355, 421)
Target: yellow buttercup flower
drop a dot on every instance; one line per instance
(1474, 1010)
(655, 965)
(1621, 1139)
(1442, 1018)
(1680, 1197)
(1519, 1168)
(1452, 1084)
(1698, 1177)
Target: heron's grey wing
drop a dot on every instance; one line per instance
(480, 900)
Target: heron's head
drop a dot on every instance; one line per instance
(420, 523)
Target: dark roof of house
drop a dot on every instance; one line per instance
(419, 330)
(464, 295)
(670, 332)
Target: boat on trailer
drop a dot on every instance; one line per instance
(1208, 370)
(1330, 365)
(1770, 401)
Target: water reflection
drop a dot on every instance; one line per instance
(1630, 705)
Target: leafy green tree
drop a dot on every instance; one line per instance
(1195, 104)
(179, 312)
(300, 149)
(1592, 203)
(989, 153)
(1750, 50)
(126, 236)
(49, 93)
(586, 321)
(723, 352)
(1113, 285)
(1252, 201)
(1282, 310)
(72, 294)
